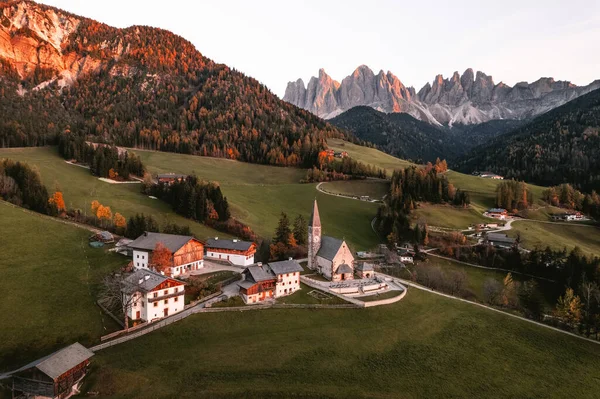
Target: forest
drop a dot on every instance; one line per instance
(21, 185)
(511, 195)
(154, 90)
(560, 146)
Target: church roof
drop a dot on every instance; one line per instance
(329, 247)
(344, 268)
(315, 219)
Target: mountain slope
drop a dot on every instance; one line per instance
(397, 134)
(141, 87)
(462, 99)
(561, 146)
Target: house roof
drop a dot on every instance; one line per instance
(365, 267)
(150, 280)
(246, 284)
(107, 235)
(148, 241)
(315, 219)
(170, 175)
(260, 273)
(285, 266)
(343, 268)
(329, 247)
(497, 210)
(56, 364)
(497, 237)
(235, 245)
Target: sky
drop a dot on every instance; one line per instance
(280, 41)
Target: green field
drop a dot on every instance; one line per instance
(257, 194)
(302, 297)
(375, 189)
(369, 156)
(557, 236)
(448, 216)
(80, 188)
(49, 283)
(423, 346)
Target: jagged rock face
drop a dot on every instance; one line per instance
(469, 98)
(34, 39)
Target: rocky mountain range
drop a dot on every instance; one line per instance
(470, 98)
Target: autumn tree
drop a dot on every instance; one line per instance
(509, 292)
(57, 201)
(162, 258)
(103, 213)
(94, 207)
(569, 307)
(120, 222)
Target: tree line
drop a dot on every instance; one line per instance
(103, 160)
(512, 194)
(408, 187)
(566, 196)
(21, 185)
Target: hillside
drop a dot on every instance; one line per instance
(397, 134)
(561, 146)
(139, 87)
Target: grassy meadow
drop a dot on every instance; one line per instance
(448, 216)
(557, 236)
(422, 346)
(49, 284)
(375, 189)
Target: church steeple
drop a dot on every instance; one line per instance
(315, 219)
(314, 236)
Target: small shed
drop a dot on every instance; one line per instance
(53, 376)
(103, 236)
(365, 270)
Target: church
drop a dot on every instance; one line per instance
(329, 256)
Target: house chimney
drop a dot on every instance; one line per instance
(216, 238)
(145, 234)
(140, 281)
(146, 277)
(235, 240)
(290, 258)
(259, 264)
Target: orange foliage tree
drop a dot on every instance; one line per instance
(112, 174)
(104, 213)
(161, 259)
(94, 206)
(119, 220)
(58, 201)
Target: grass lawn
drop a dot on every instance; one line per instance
(375, 189)
(49, 284)
(557, 236)
(234, 301)
(379, 297)
(448, 216)
(423, 346)
(80, 188)
(302, 297)
(370, 156)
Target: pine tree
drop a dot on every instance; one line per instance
(282, 233)
(300, 230)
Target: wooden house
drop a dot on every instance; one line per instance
(152, 296)
(237, 252)
(276, 279)
(57, 375)
(187, 252)
(170, 178)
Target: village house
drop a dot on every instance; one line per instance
(499, 240)
(56, 376)
(498, 213)
(342, 154)
(569, 216)
(406, 256)
(329, 256)
(238, 253)
(276, 279)
(187, 252)
(152, 296)
(490, 175)
(169, 178)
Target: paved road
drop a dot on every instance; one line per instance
(344, 195)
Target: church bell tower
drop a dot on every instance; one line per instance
(314, 237)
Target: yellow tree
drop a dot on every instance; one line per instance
(509, 291)
(104, 213)
(569, 307)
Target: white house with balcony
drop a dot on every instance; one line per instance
(265, 282)
(236, 252)
(151, 296)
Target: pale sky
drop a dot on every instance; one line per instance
(279, 41)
